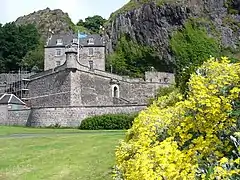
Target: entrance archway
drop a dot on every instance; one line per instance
(115, 91)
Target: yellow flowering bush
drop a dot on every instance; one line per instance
(191, 138)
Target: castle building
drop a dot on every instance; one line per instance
(91, 51)
(74, 85)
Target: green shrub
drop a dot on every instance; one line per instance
(108, 121)
(191, 46)
(162, 91)
(132, 59)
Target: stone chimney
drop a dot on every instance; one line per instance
(71, 58)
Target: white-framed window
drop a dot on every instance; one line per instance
(59, 42)
(90, 51)
(75, 40)
(58, 52)
(90, 41)
(58, 63)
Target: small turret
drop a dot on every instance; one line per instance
(71, 58)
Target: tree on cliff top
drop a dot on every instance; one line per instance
(92, 24)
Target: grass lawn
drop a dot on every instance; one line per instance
(56, 154)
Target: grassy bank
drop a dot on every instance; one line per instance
(61, 154)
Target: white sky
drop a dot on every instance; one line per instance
(10, 10)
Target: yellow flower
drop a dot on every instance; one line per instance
(173, 135)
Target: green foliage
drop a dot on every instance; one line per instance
(15, 43)
(34, 59)
(233, 6)
(82, 29)
(192, 138)
(92, 24)
(108, 121)
(133, 59)
(162, 91)
(231, 22)
(191, 46)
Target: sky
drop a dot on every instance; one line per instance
(10, 10)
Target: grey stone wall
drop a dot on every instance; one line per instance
(3, 114)
(51, 58)
(90, 90)
(98, 57)
(159, 77)
(18, 117)
(72, 116)
(13, 117)
(50, 90)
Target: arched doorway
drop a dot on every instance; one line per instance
(115, 91)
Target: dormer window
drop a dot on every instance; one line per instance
(75, 41)
(59, 42)
(90, 41)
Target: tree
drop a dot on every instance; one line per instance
(34, 58)
(133, 59)
(193, 138)
(80, 23)
(15, 43)
(92, 23)
(191, 46)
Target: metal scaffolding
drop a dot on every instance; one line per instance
(16, 83)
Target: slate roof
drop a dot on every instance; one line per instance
(10, 99)
(68, 38)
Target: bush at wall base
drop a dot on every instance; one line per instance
(108, 122)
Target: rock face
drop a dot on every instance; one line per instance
(153, 23)
(56, 20)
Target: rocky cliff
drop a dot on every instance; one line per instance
(56, 20)
(153, 22)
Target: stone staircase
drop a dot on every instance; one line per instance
(122, 101)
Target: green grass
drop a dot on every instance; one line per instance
(87, 155)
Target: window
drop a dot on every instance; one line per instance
(91, 65)
(90, 41)
(58, 52)
(59, 42)
(90, 51)
(75, 41)
(58, 63)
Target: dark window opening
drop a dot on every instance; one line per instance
(91, 65)
(115, 92)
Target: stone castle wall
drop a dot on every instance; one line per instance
(87, 88)
(18, 117)
(51, 89)
(13, 117)
(63, 116)
(72, 116)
